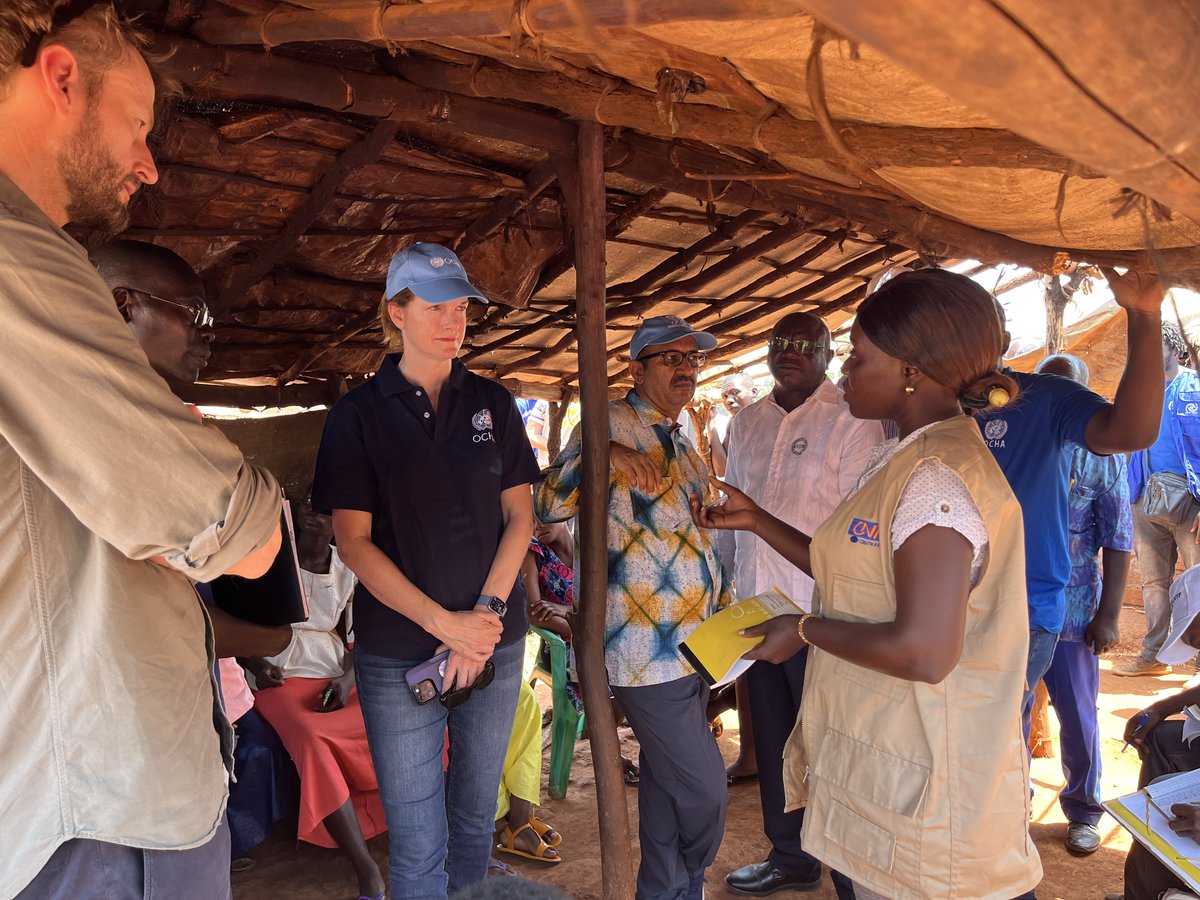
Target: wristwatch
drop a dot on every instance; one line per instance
(495, 604)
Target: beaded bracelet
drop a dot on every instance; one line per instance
(804, 617)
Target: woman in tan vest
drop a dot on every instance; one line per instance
(908, 751)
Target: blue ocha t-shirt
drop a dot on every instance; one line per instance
(1031, 440)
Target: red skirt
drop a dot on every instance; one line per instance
(330, 752)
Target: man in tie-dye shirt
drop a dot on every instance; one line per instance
(664, 579)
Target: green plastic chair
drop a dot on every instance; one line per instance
(567, 723)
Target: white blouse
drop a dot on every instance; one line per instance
(934, 495)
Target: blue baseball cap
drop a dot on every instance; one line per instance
(433, 273)
(664, 330)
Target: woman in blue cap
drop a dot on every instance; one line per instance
(426, 469)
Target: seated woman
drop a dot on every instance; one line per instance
(307, 694)
(518, 830)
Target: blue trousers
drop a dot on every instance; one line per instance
(683, 794)
(85, 868)
(1073, 681)
(440, 825)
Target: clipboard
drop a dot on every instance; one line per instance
(1139, 815)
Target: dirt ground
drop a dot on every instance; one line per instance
(285, 869)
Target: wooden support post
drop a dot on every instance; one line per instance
(583, 183)
(558, 412)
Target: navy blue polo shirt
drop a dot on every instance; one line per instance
(1032, 440)
(432, 483)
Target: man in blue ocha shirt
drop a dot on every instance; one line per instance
(1031, 439)
(1100, 521)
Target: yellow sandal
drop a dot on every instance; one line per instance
(508, 844)
(543, 829)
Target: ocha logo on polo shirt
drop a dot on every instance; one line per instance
(482, 421)
(994, 432)
(863, 532)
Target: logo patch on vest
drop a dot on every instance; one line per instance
(863, 532)
(799, 445)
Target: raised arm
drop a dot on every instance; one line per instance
(1131, 421)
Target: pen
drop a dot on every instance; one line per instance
(1141, 723)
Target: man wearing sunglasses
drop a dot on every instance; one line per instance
(113, 777)
(797, 452)
(664, 579)
(162, 299)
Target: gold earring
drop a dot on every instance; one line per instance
(909, 389)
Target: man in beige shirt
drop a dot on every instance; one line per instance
(112, 744)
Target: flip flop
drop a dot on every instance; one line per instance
(543, 829)
(508, 844)
(498, 869)
(740, 779)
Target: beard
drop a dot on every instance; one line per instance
(93, 181)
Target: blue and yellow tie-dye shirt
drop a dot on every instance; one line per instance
(664, 575)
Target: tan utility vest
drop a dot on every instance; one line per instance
(919, 790)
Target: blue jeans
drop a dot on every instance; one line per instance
(440, 825)
(1041, 654)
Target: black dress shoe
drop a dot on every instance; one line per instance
(761, 879)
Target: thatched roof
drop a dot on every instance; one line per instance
(756, 162)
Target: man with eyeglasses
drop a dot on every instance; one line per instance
(113, 747)
(664, 579)
(166, 310)
(797, 452)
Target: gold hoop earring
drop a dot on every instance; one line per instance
(909, 389)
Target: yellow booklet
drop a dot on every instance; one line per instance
(715, 648)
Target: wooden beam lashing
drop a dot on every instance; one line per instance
(1113, 91)
(782, 133)
(365, 151)
(586, 206)
(472, 19)
(218, 73)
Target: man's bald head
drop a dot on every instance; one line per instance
(146, 267)
(1066, 365)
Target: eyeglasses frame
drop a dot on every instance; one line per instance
(697, 358)
(202, 316)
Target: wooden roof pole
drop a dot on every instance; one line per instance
(473, 18)
(583, 183)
